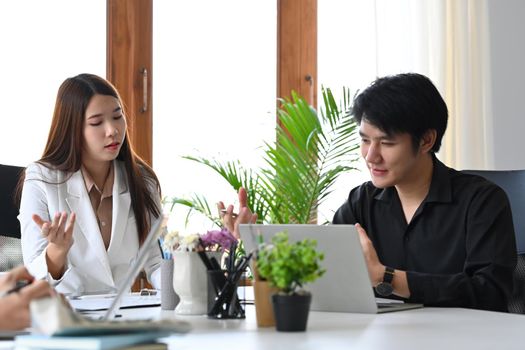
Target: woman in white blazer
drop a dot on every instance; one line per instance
(87, 177)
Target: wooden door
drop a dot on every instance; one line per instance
(129, 66)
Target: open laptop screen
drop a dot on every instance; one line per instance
(136, 267)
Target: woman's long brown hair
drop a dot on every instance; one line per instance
(65, 141)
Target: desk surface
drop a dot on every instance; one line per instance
(427, 328)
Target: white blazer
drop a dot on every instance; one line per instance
(90, 268)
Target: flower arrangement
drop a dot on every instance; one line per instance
(213, 240)
(223, 274)
(218, 240)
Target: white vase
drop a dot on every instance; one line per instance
(190, 282)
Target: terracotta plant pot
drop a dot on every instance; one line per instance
(291, 311)
(263, 305)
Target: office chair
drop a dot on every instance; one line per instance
(10, 248)
(513, 183)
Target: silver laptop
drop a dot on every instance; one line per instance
(137, 265)
(345, 286)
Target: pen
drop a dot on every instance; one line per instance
(205, 260)
(234, 215)
(19, 285)
(215, 264)
(160, 241)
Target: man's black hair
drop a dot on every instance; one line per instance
(403, 103)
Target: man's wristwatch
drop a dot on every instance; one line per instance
(385, 288)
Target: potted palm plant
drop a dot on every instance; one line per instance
(310, 151)
(288, 266)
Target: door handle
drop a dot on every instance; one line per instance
(144, 73)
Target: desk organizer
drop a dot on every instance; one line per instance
(223, 301)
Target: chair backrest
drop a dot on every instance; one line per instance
(513, 183)
(10, 253)
(9, 225)
(10, 249)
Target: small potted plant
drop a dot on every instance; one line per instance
(288, 266)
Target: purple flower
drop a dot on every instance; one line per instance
(221, 238)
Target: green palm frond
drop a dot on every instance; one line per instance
(311, 150)
(237, 176)
(310, 153)
(196, 204)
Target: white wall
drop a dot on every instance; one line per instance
(507, 41)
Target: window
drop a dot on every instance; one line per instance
(214, 92)
(43, 42)
(360, 40)
(346, 58)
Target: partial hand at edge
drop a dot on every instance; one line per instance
(14, 308)
(9, 280)
(230, 220)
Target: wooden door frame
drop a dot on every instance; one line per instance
(129, 63)
(297, 49)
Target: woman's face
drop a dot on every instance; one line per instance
(104, 129)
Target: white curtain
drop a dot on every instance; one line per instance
(469, 142)
(449, 42)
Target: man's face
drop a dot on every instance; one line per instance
(391, 160)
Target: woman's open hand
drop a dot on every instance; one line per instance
(59, 234)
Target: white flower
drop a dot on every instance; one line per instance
(190, 242)
(171, 241)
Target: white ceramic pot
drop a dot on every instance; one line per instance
(190, 283)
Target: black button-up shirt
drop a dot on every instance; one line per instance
(459, 248)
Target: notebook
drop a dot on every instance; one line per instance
(345, 286)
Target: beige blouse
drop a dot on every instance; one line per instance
(102, 202)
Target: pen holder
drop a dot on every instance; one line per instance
(223, 301)
(168, 298)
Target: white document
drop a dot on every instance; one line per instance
(101, 302)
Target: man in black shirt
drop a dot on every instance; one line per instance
(430, 234)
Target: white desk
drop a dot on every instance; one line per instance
(427, 328)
